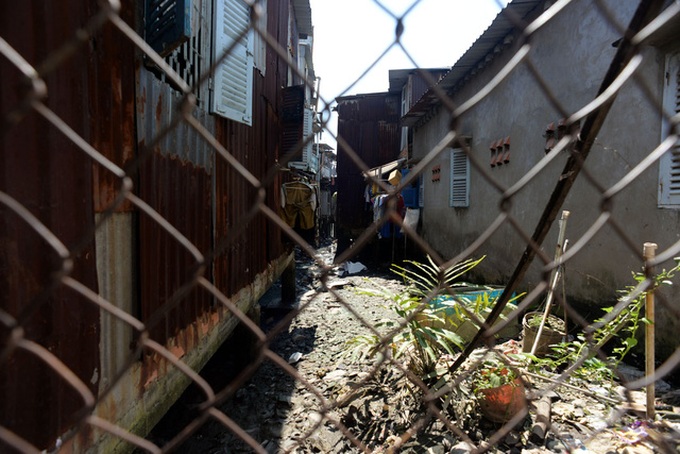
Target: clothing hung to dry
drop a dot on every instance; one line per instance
(298, 204)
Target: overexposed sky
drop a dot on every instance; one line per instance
(350, 35)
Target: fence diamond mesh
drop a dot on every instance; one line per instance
(167, 165)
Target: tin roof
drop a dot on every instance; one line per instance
(510, 19)
(378, 172)
(303, 13)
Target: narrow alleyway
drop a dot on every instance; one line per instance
(283, 415)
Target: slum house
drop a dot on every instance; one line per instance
(516, 125)
(368, 126)
(300, 194)
(327, 179)
(153, 227)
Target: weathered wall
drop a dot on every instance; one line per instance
(124, 254)
(572, 53)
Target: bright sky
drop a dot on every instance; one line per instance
(350, 35)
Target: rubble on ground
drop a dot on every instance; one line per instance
(335, 398)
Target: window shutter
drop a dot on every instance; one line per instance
(669, 165)
(307, 132)
(233, 89)
(292, 118)
(460, 179)
(168, 24)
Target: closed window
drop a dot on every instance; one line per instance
(232, 95)
(669, 165)
(460, 179)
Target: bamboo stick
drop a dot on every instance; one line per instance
(649, 251)
(559, 248)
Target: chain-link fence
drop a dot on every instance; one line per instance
(160, 170)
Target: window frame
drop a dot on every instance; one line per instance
(259, 43)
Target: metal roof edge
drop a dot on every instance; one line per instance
(505, 22)
(303, 16)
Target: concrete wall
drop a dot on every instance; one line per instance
(572, 52)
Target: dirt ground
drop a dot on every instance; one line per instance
(380, 405)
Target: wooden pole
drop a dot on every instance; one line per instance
(559, 248)
(649, 252)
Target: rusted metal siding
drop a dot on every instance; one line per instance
(175, 177)
(369, 124)
(45, 172)
(106, 95)
(179, 191)
(256, 148)
(420, 84)
(111, 76)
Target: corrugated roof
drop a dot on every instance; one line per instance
(510, 19)
(378, 172)
(398, 77)
(303, 13)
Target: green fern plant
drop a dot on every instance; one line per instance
(417, 338)
(426, 279)
(422, 333)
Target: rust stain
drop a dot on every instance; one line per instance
(155, 366)
(141, 104)
(159, 107)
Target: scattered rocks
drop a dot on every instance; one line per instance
(337, 403)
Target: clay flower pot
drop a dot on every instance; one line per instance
(502, 403)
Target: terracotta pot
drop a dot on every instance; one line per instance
(502, 403)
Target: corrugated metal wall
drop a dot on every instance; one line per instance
(48, 174)
(370, 125)
(106, 95)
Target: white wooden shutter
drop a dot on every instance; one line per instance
(232, 95)
(669, 164)
(460, 179)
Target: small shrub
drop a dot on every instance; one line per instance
(619, 324)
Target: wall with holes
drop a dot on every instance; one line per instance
(520, 122)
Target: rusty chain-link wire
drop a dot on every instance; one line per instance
(205, 255)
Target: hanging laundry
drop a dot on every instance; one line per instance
(298, 203)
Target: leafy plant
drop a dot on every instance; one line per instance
(620, 321)
(426, 280)
(419, 338)
(552, 322)
(460, 301)
(427, 324)
(492, 374)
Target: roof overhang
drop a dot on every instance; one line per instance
(303, 15)
(378, 172)
(497, 36)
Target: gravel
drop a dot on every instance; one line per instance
(336, 400)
